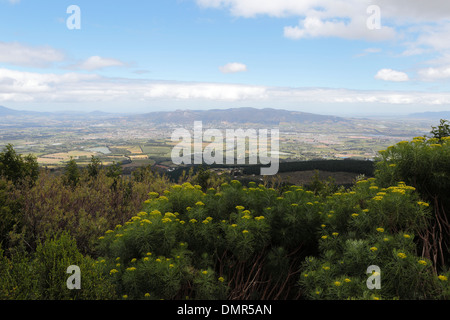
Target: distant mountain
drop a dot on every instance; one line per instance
(4, 111)
(234, 115)
(238, 115)
(8, 112)
(432, 115)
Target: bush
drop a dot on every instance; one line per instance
(424, 163)
(372, 226)
(185, 244)
(18, 169)
(43, 275)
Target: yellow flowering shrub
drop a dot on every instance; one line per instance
(203, 246)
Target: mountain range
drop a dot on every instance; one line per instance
(233, 115)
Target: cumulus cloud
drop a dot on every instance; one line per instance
(18, 54)
(391, 75)
(233, 67)
(96, 63)
(421, 27)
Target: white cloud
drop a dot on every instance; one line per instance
(18, 54)
(438, 73)
(391, 75)
(403, 10)
(420, 27)
(48, 88)
(96, 62)
(314, 27)
(233, 67)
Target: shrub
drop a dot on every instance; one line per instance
(371, 226)
(424, 163)
(258, 248)
(43, 274)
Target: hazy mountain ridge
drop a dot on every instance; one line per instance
(431, 115)
(238, 115)
(233, 115)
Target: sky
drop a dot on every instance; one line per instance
(339, 57)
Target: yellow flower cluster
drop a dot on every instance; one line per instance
(155, 213)
(166, 220)
(442, 278)
(246, 215)
(401, 255)
(207, 220)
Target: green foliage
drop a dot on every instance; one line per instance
(150, 239)
(323, 188)
(345, 165)
(114, 171)
(10, 212)
(43, 275)
(371, 226)
(85, 211)
(94, 167)
(442, 130)
(16, 168)
(71, 173)
(424, 164)
(261, 243)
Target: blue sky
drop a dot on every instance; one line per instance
(323, 56)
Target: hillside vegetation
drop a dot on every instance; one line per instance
(210, 237)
